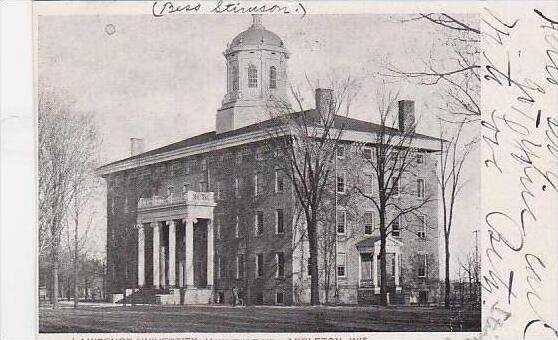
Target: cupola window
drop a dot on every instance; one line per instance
(252, 76)
(272, 77)
(235, 78)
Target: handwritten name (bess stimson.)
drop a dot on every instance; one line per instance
(162, 8)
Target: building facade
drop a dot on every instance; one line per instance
(188, 222)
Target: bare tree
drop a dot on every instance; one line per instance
(390, 163)
(453, 65)
(470, 266)
(452, 156)
(307, 142)
(80, 214)
(66, 149)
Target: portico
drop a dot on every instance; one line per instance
(369, 263)
(175, 245)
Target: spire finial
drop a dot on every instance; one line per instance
(257, 21)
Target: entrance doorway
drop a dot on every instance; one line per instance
(200, 253)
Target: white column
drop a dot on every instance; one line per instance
(189, 252)
(141, 255)
(359, 268)
(172, 253)
(210, 251)
(375, 273)
(396, 269)
(156, 246)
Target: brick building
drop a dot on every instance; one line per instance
(189, 221)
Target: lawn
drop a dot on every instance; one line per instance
(160, 319)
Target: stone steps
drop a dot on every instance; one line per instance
(172, 296)
(369, 297)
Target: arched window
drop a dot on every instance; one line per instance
(252, 76)
(272, 77)
(235, 78)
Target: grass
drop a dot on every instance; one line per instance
(163, 319)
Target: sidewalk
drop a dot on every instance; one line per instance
(70, 304)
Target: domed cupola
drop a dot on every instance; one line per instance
(256, 36)
(256, 77)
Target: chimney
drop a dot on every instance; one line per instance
(406, 115)
(324, 99)
(136, 146)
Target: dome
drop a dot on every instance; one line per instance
(257, 35)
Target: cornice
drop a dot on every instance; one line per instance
(241, 139)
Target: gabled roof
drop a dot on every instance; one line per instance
(348, 124)
(368, 242)
(371, 241)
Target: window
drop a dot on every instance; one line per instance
(238, 157)
(395, 227)
(258, 184)
(341, 182)
(240, 266)
(368, 185)
(422, 265)
(272, 77)
(259, 299)
(393, 156)
(279, 184)
(218, 190)
(235, 78)
(259, 265)
(341, 221)
(279, 222)
(368, 223)
(185, 188)
(237, 187)
(221, 267)
(340, 151)
(367, 153)
(422, 227)
(420, 187)
(259, 223)
(252, 76)
(420, 158)
(186, 168)
(395, 187)
(126, 204)
(203, 186)
(260, 154)
(236, 228)
(279, 298)
(218, 227)
(204, 164)
(341, 265)
(280, 264)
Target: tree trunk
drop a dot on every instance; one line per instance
(54, 278)
(314, 279)
(470, 284)
(327, 270)
(76, 269)
(447, 278)
(383, 273)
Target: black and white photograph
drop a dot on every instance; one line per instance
(258, 172)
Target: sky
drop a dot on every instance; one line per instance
(163, 79)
